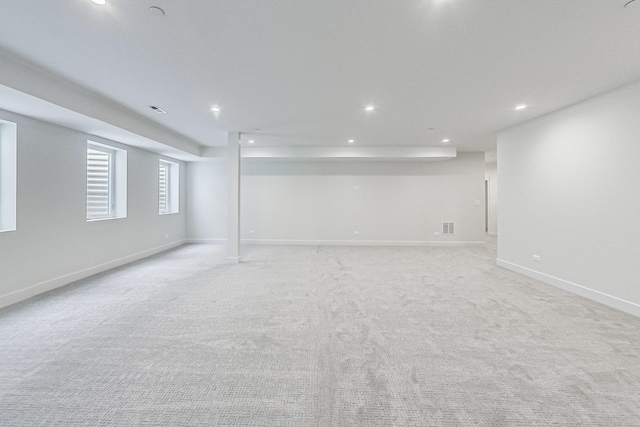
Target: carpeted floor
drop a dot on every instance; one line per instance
(317, 336)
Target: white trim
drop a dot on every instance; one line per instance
(352, 153)
(205, 241)
(338, 242)
(233, 259)
(8, 175)
(48, 285)
(109, 218)
(609, 300)
(492, 234)
(172, 187)
(357, 242)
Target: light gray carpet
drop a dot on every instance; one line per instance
(328, 336)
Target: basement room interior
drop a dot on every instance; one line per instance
(331, 213)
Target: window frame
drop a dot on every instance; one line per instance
(171, 187)
(8, 175)
(117, 182)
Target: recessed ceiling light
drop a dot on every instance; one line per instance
(351, 141)
(520, 107)
(215, 109)
(157, 109)
(100, 2)
(369, 108)
(446, 140)
(251, 141)
(155, 10)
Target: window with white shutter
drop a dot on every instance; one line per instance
(163, 189)
(104, 173)
(168, 188)
(8, 176)
(99, 183)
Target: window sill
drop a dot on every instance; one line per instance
(105, 219)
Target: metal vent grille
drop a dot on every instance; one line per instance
(448, 227)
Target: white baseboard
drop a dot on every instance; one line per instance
(206, 241)
(286, 242)
(48, 285)
(611, 301)
(356, 242)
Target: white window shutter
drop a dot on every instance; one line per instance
(163, 189)
(99, 183)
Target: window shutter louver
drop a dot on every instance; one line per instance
(168, 187)
(99, 183)
(163, 193)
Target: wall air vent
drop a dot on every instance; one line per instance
(157, 109)
(447, 227)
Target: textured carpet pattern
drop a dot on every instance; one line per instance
(317, 336)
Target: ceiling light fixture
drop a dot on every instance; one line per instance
(446, 140)
(157, 109)
(100, 2)
(251, 141)
(369, 108)
(215, 109)
(351, 141)
(520, 107)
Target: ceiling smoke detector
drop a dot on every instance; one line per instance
(157, 109)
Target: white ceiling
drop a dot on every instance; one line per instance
(301, 71)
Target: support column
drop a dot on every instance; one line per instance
(233, 168)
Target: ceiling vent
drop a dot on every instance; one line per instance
(447, 227)
(157, 109)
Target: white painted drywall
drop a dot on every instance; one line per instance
(29, 90)
(570, 193)
(207, 200)
(53, 241)
(491, 174)
(316, 202)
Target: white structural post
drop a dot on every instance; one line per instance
(233, 166)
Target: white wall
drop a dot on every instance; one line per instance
(570, 193)
(316, 201)
(54, 244)
(491, 175)
(207, 200)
